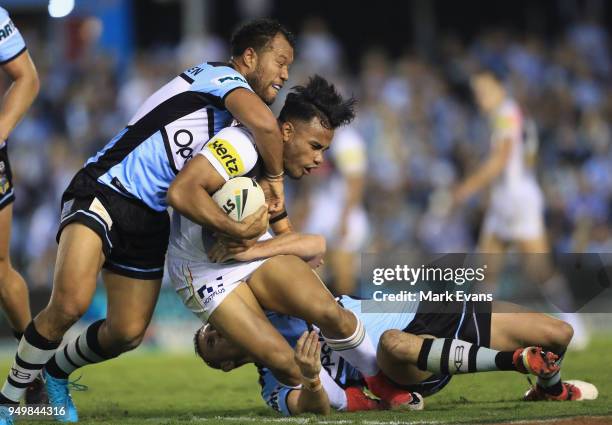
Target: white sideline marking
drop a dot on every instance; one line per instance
(293, 420)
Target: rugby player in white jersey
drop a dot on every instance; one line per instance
(222, 293)
(17, 64)
(114, 219)
(515, 215)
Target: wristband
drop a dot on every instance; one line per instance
(312, 385)
(279, 217)
(274, 177)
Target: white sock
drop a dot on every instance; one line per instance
(336, 394)
(357, 349)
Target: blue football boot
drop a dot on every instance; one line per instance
(60, 399)
(6, 417)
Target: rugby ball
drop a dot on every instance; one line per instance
(239, 197)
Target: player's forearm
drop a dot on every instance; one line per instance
(316, 402)
(482, 178)
(270, 147)
(16, 102)
(302, 245)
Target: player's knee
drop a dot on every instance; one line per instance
(334, 320)
(557, 335)
(389, 343)
(62, 315)
(126, 338)
(563, 334)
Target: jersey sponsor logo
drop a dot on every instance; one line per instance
(209, 291)
(183, 139)
(22, 376)
(506, 122)
(97, 207)
(228, 79)
(458, 357)
(227, 155)
(273, 400)
(327, 360)
(7, 30)
(66, 208)
(194, 70)
(4, 185)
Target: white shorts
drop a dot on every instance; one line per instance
(515, 214)
(204, 286)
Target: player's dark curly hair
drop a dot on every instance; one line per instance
(257, 34)
(319, 98)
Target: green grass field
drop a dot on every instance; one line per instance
(170, 389)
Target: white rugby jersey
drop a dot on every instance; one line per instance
(169, 128)
(508, 123)
(232, 153)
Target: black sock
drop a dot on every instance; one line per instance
(17, 335)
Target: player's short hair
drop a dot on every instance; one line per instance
(319, 98)
(257, 34)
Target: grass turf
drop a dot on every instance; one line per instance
(148, 388)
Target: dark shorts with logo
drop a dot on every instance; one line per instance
(7, 194)
(469, 321)
(134, 237)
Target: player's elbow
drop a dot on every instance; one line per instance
(320, 245)
(177, 194)
(563, 334)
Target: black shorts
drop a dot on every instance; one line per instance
(469, 321)
(134, 237)
(7, 194)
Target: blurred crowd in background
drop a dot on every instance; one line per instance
(421, 128)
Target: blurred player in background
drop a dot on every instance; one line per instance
(515, 214)
(17, 64)
(333, 201)
(114, 214)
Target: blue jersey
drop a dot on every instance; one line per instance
(11, 41)
(343, 373)
(169, 128)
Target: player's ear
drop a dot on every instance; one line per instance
(249, 57)
(287, 130)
